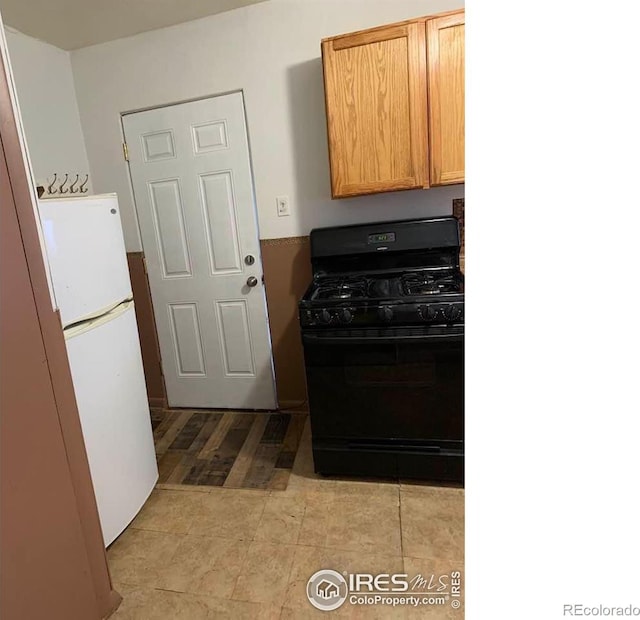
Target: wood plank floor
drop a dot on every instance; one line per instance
(229, 449)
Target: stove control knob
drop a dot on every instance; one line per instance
(345, 315)
(323, 316)
(385, 313)
(452, 312)
(427, 313)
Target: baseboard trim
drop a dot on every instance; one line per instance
(115, 598)
(289, 405)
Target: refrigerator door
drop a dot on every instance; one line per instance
(106, 366)
(86, 255)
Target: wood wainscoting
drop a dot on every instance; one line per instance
(147, 330)
(287, 272)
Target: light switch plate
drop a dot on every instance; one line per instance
(282, 203)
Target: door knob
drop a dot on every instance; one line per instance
(252, 281)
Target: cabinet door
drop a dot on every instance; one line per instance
(445, 41)
(375, 89)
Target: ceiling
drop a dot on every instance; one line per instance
(71, 24)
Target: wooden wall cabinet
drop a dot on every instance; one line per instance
(395, 106)
(445, 56)
(376, 99)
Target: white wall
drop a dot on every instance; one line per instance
(272, 52)
(6, 64)
(48, 106)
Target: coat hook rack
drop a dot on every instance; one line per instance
(82, 189)
(74, 191)
(59, 186)
(50, 188)
(61, 189)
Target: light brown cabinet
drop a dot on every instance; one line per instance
(386, 130)
(445, 55)
(376, 98)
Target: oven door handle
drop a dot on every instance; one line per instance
(350, 340)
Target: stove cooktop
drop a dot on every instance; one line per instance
(400, 273)
(411, 297)
(411, 284)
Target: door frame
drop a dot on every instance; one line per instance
(255, 213)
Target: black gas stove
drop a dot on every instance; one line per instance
(383, 329)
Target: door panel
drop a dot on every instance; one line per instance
(192, 182)
(187, 340)
(235, 337)
(168, 218)
(219, 209)
(210, 137)
(158, 145)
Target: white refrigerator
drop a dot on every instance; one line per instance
(88, 264)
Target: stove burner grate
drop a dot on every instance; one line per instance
(389, 287)
(428, 284)
(340, 288)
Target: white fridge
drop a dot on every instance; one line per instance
(88, 264)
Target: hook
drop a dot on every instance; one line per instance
(61, 190)
(82, 189)
(74, 191)
(50, 189)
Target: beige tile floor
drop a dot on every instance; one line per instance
(233, 553)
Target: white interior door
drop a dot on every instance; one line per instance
(194, 196)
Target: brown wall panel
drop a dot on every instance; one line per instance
(287, 272)
(147, 330)
(53, 558)
(40, 524)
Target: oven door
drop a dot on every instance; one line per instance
(401, 388)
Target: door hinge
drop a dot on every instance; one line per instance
(125, 150)
(144, 264)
